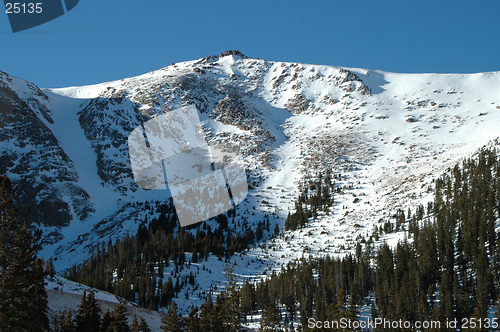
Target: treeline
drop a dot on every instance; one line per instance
(133, 267)
(447, 267)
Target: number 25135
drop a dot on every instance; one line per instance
(23, 8)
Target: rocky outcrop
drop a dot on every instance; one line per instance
(107, 122)
(44, 177)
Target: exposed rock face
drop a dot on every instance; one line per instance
(107, 121)
(233, 52)
(298, 104)
(44, 177)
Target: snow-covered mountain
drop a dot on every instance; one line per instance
(385, 136)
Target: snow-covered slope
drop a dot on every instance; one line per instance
(385, 136)
(63, 294)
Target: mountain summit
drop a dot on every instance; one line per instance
(384, 136)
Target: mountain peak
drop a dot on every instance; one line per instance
(233, 52)
(212, 58)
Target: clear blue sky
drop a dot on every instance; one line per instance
(109, 39)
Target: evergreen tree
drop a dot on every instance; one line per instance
(172, 322)
(247, 298)
(49, 269)
(67, 324)
(106, 321)
(119, 320)
(193, 323)
(143, 326)
(23, 299)
(232, 309)
(167, 293)
(88, 317)
(210, 316)
(139, 326)
(134, 327)
(63, 322)
(270, 317)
